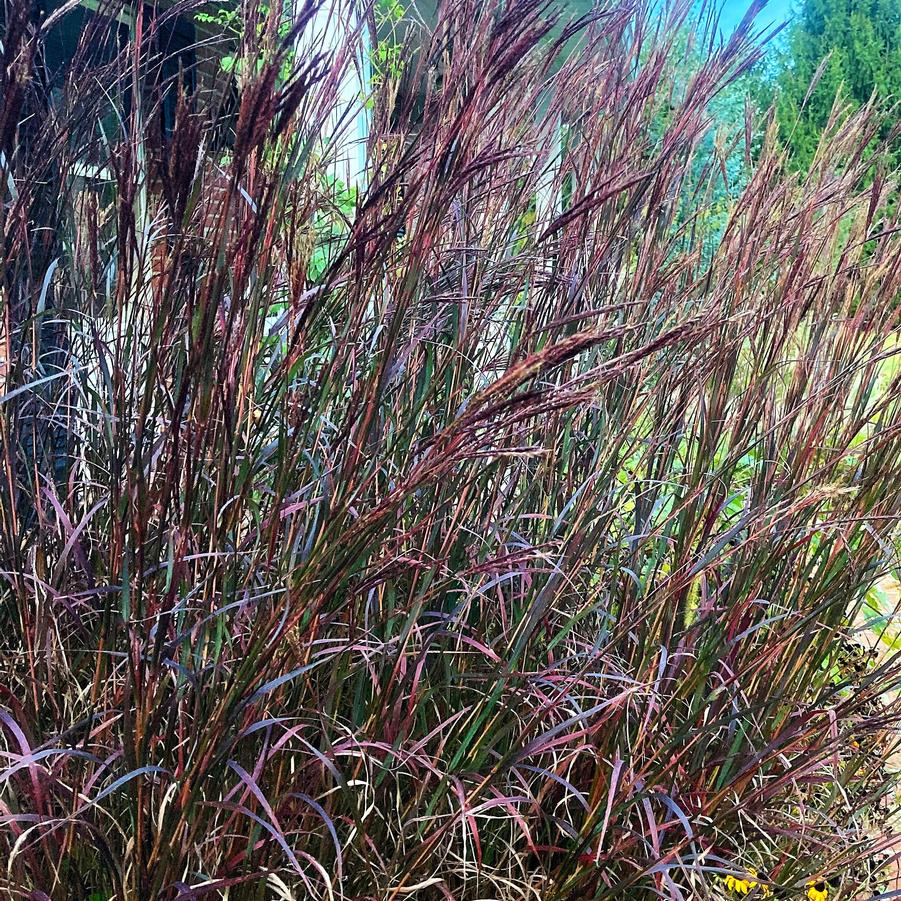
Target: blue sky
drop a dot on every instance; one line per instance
(775, 12)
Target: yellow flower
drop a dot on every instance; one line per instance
(817, 890)
(745, 885)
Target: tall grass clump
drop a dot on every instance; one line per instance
(495, 528)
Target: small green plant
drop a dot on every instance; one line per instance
(331, 226)
(229, 22)
(386, 55)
